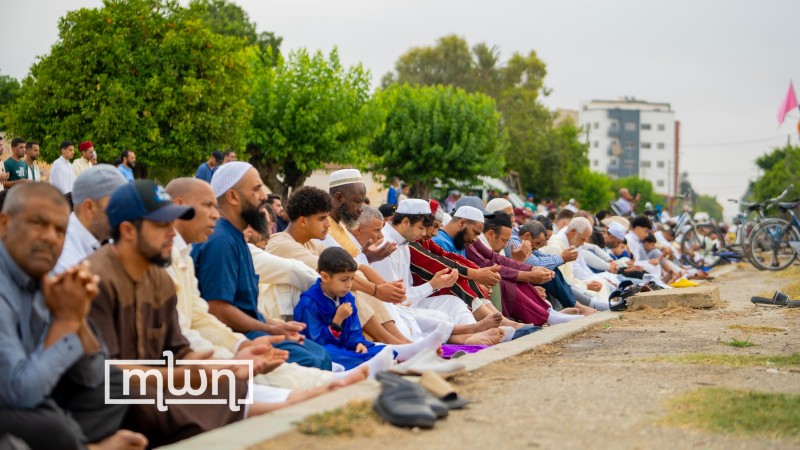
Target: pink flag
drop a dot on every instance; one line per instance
(788, 104)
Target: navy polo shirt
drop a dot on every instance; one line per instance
(225, 271)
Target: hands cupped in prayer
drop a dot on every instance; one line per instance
(391, 292)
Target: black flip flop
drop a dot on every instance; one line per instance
(778, 299)
(404, 407)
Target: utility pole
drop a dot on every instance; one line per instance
(676, 168)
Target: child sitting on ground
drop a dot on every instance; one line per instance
(329, 311)
(657, 257)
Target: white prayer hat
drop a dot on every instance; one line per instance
(345, 176)
(226, 177)
(469, 213)
(617, 230)
(498, 204)
(413, 206)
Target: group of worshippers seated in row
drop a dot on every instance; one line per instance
(135, 270)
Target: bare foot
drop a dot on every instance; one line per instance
(510, 323)
(488, 337)
(359, 374)
(584, 310)
(489, 322)
(573, 310)
(122, 439)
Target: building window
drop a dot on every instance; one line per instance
(645, 145)
(612, 125)
(629, 145)
(596, 125)
(644, 164)
(660, 183)
(630, 126)
(596, 163)
(596, 144)
(660, 164)
(660, 146)
(645, 126)
(661, 127)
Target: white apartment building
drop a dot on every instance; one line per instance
(630, 137)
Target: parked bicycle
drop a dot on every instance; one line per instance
(775, 243)
(754, 213)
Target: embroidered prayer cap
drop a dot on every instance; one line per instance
(474, 202)
(83, 146)
(226, 177)
(96, 182)
(617, 230)
(345, 176)
(144, 199)
(413, 206)
(498, 204)
(436, 210)
(469, 213)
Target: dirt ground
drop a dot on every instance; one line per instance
(603, 388)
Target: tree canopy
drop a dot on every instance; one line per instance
(142, 75)
(781, 168)
(309, 110)
(438, 133)
(9, 91)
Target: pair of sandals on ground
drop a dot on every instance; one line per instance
(618, 300)
(778, 299)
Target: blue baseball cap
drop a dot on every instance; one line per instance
(144, 199)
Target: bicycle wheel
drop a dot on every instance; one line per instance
(701, 246)
(747, 234)
(770, 245)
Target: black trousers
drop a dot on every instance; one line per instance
(559, 289)
(71, 417)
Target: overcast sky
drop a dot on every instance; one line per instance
(724, 66)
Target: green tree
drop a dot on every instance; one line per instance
(438, 134)
(543, 152)
(710, 205)
(781, 168)
(9, 91)
(309, 110)
(592, 190)
(229, 19)
(143, 75)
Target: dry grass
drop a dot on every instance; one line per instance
(744, 413)
(357, 418)
(792, 360)
(753, 329)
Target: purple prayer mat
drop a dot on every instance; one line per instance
(449, 349)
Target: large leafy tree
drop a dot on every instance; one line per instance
(544, 152)
(781, 168)
(309, 110)
(9, 91)
(144, 75)
(439, 134)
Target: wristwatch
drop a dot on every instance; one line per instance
(336, 327)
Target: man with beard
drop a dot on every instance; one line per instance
(51, 359)
(459, 232)
(225, 270)
(88, 223)
(128, 161)
(31, 156)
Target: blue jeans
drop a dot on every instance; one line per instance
(307, 354)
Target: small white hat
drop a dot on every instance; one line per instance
(226, 177)
(345, 176)
(617, 230)
(469, 213)
(498, 204)
(413, 206)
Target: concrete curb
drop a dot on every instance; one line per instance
(268, 426)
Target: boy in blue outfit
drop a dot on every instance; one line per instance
(329, 311)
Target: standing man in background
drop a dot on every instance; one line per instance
(62, 177)
(85, 161)
(205, 171)
(126, 168)
(15, 167)
(31, 156)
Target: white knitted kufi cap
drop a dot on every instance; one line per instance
(413, 206)
(469, 213)
(498, 204)
(345, 176)
(226, 177)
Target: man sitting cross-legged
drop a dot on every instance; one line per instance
(205, 332)
(409, 224)
(521, 299)
(51, 359)
(225, 271)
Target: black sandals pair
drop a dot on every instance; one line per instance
(778, 299)
(618, 300)
(404, 403)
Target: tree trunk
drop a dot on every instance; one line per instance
(270, 169)
(420, 190)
